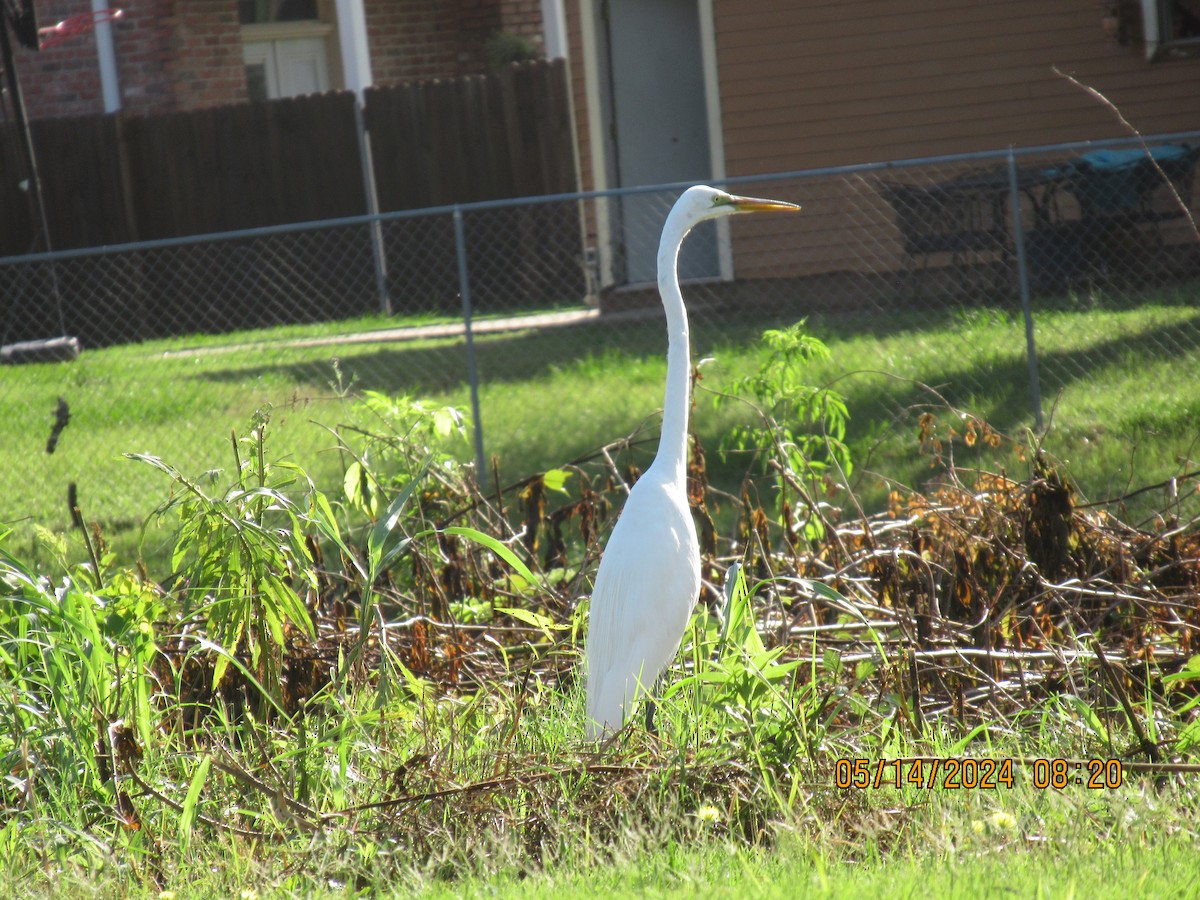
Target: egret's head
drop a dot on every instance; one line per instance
(725, 204)
(702, 202)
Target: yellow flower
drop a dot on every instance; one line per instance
(709, 815)
(1002, 819)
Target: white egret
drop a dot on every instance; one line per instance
(649, 576)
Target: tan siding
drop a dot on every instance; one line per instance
(825, 83)
(821, 83)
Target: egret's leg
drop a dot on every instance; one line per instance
(651, 706)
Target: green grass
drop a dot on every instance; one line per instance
(126, 774)
(1139, 840)
(1053, 862)
(1122, 416)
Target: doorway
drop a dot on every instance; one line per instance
(656, 114)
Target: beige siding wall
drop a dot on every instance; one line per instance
(819, 83)
(822, 83)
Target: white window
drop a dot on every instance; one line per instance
(252, 12)
(1172, 28)
(286, 67)
(285, 45)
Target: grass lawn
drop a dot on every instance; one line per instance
(1119, 415)
(1021, 866)
(449, 759)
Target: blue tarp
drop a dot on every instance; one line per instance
(1116, 180)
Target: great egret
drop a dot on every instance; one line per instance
(649, 576)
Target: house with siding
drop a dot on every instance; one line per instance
(672, 90)
(742, 88)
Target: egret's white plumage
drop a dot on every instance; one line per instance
(649, 576)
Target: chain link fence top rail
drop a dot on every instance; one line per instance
(311, 314)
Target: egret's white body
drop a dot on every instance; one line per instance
(649, 576)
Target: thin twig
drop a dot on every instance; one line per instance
(1100, 98)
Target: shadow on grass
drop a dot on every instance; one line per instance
(995, 387)
(439, 365)
(1005, 398)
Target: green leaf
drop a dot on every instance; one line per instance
(446, 420)
(502, 550)
(821, 589)
(383, 528)
(357, 488)
(556, 479)
(740, 630)
(960, 746)
(1088, 715)
(394, 552)
(832, 661)
(1189, 737)
(224, 660)
(290, 605)
(529, 617)
(187, 814)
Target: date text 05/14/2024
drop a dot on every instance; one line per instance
(970, 773)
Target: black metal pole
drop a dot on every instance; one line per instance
(18, 103)
(464, 287)
(1035, 388)
(31, 168)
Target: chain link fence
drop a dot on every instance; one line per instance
(465, 300)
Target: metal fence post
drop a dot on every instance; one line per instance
(464, 290)
(378, 253)
(1023, 283)
(31, 163)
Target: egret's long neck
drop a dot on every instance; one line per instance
(672, 447)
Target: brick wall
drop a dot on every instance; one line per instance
(410, 39)
(64, 80)
(142, 40)
(171, 55)
(187, 54)
(204, 59)
(413, 39)
(523, 17)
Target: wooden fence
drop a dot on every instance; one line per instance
(124, 178)
(120, 178)
(484, 137)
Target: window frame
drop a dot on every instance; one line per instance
(1156, 18)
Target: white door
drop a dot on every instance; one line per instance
(286, 67)
(658, 123)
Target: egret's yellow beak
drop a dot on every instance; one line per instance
(753, 204)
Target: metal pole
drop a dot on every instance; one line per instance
(1023, 282)
(464, 290)
(26, 137)
(106, 56)
(378, 252)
